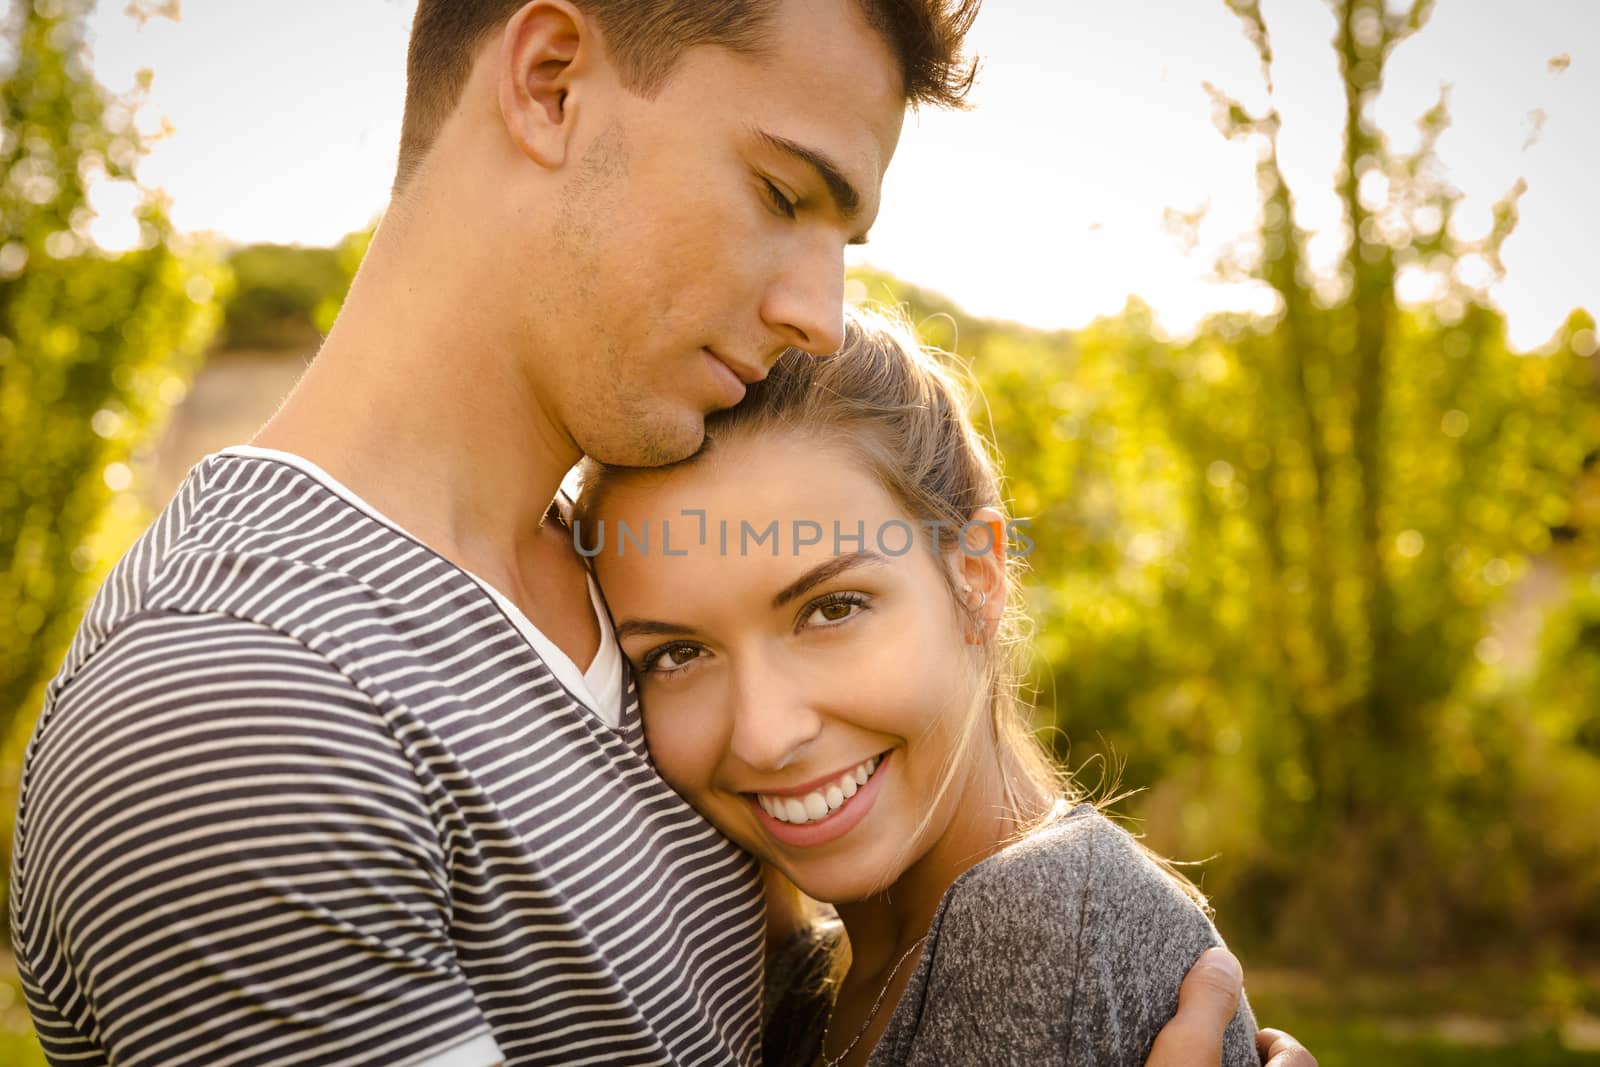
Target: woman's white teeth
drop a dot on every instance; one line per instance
(820, 803)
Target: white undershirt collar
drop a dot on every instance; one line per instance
(599, 688)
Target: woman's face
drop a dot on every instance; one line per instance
(805, 697)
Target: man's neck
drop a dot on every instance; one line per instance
(430, 417)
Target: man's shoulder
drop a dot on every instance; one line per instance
(237, 514)
(230, 509)
(264, 541)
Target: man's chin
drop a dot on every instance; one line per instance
(660, 445)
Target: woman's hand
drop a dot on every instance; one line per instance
(1206, 1002)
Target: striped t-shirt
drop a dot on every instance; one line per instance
(304, 792)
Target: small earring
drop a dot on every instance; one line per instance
(977, 614)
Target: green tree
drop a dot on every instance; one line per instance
(278, 291)
(1320, 508)
(94, 347)
(1395, 470)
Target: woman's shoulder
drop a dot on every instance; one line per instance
(1069, 946)
(1079, 894)
(1080, 853)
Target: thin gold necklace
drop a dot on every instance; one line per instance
(871, 1015)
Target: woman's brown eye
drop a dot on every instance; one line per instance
(836, 612)
(670, 658)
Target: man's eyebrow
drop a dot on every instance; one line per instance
(823, 571)
(846, 198)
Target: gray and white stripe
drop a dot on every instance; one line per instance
(303, 794)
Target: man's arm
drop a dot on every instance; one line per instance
(225, 856)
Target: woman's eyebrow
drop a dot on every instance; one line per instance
(825, 570)
(650, 627)
(797, 588)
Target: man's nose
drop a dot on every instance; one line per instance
(804, 305)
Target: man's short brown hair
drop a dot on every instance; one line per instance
(646, 37)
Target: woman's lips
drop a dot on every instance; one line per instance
(838, 822)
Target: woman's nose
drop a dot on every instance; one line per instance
(773, 722)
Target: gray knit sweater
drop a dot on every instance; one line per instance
(1065, 948)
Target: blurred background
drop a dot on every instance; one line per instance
(1285, 317)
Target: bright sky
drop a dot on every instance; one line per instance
(1045, 204)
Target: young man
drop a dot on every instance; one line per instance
(343, 766)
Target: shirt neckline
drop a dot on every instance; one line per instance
(599, 688)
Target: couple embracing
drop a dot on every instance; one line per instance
(367, 754)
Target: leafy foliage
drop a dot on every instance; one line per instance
(284, 296)
(277, 291)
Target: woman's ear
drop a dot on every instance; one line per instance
(981, 572)
(546, 50)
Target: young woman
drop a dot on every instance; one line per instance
(820, 610)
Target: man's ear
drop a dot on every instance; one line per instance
(544, 49)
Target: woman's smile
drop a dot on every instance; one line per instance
(821, 812)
